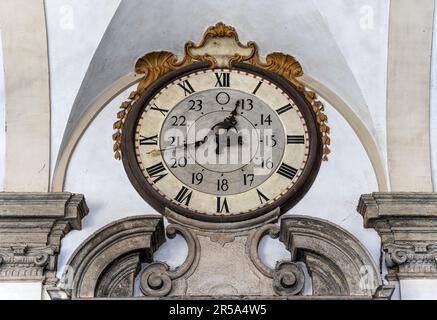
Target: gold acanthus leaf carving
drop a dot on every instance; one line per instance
(282, 64)
(220, 30)
(152, 66)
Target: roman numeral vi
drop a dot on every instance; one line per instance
(222, 205)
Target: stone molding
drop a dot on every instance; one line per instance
(407, 225)
(31, 228)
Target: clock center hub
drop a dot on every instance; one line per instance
(227, 146)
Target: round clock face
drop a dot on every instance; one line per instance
(222, 145)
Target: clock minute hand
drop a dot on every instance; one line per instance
(234, 113)
(229, 122)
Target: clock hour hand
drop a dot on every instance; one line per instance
(229, 122)
(157, 152)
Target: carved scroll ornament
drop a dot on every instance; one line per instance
(156, 279)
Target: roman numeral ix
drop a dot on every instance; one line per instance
(149, 141)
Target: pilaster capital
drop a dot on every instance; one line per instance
(31, 228)
(407, 225)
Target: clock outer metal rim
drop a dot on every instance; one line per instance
(159, 203)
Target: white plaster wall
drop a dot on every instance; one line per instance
(434, 107)
(2, 117)
(20, 291)
(75, 28)
(418, 289)
(362, 36)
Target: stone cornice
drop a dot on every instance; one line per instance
(31, 228)
(407, 225)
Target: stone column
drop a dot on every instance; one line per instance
(26, 64)
(31, 228)
(408, 95)
(407, 225)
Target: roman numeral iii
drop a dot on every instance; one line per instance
(287, 171)
(295, 140)
(157, 172)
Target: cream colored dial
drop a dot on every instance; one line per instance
(222, 142)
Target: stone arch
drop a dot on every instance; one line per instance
(339, 265)
(106, 264)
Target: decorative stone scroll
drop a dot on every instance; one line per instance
(31, 228)
(407, 225)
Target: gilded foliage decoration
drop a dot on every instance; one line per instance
(153, 66)
(212, 50)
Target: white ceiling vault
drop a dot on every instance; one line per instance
(348, 56)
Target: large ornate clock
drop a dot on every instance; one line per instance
(221, 139)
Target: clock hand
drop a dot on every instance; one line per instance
(235, 112)
(227, 124)
(157, 152)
